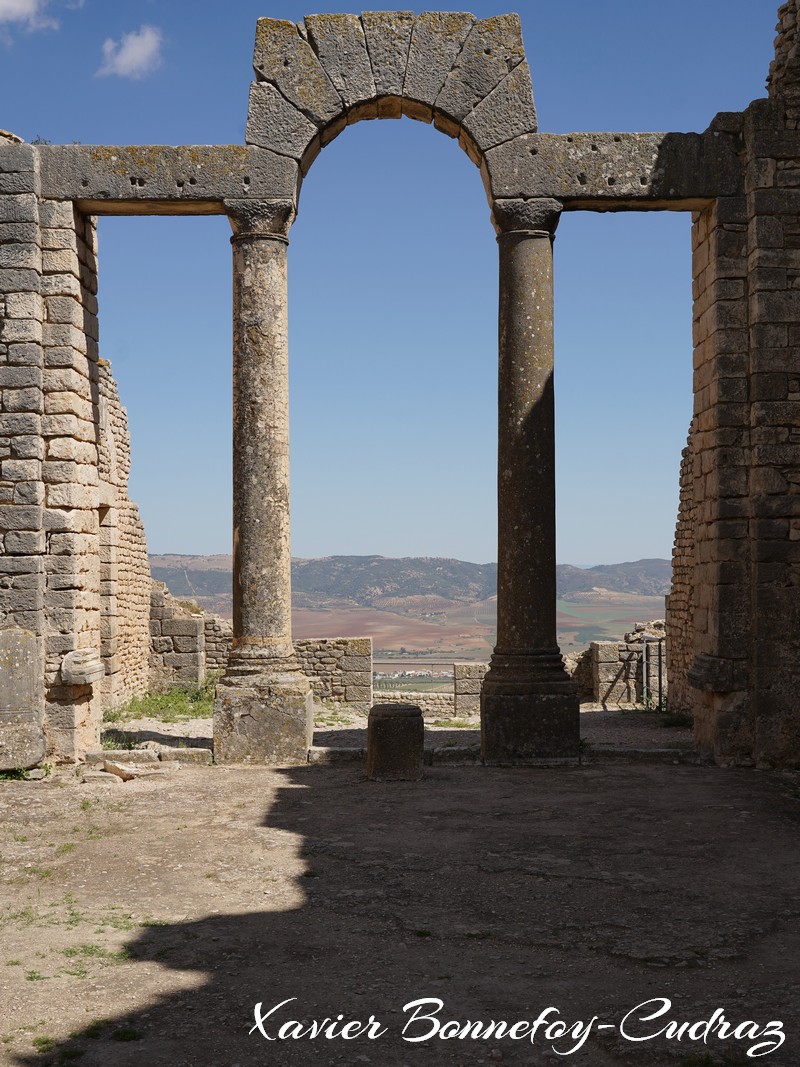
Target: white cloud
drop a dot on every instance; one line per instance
(135, 55)
(27, 13)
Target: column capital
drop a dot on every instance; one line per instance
(538, 218)
(271, 219)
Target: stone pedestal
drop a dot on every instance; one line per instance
(263, 705)
(529, 704)
(395, 743)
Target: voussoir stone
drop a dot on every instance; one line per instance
(490, 52)
(274, 123)
(285, 59)
(436, 40)
(507, 112)
(388, 37)
(341, 47)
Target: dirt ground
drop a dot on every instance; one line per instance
(140, 923)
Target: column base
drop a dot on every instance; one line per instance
(530, 715)
(263, 718)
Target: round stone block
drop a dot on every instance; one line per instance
(395, 743)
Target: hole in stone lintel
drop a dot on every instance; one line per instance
(582, 179)
(611, 181)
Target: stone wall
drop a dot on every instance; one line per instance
(339, 668)
(433, 705)
(22, 493)
(74, 558)
(177, 641)
(768, 619)
(124, 566)
(579, 668)
(618, 675)
(218, 639)
(680, 614)
(467, 679)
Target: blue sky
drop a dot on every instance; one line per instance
(393, 278)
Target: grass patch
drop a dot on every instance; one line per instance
(331, 718)
(43, 1044)
(115, 739)
(17, 775)
(457, 724)
(174, 705)
(63, 850)
(34, 976)
(35, 871)
(118, 922)
(97, 952)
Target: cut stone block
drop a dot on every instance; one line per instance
(268, 723)
(341, 47)
(203, 756)
(507, 112)
(491, 51)
(388, 36)
(435, 42)
(82, 667)
(22, 741)
(274, 123)
(395, 743)
(285, 59)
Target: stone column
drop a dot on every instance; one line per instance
(529, 704)
(263, 705)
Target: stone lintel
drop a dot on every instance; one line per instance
(585, 171)
(158, 179)
(616, 171)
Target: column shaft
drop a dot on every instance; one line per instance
(529, 705)
(262, 607)
(263, 705)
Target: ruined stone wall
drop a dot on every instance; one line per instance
(579, 668)
(433, 705)
(680, 616)
(719, 640)
(177, 641)
(66, 517)
(70, 471)
(218, 640)
(338, 668)
(125, 568)
(618, 668)
(22, 494)
(784, 73)
(467, 679)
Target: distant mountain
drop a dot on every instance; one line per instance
(647, 577)
(412, 584)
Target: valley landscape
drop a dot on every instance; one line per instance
(426, 610)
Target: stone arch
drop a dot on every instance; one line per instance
(468, 77)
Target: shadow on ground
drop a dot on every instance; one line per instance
(500, 892)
